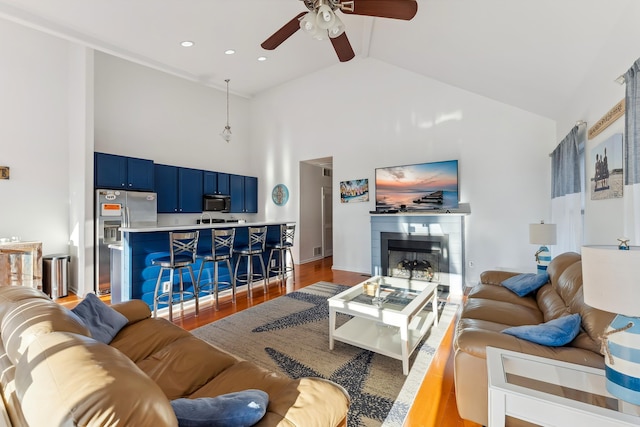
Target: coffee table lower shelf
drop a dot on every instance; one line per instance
(383, 339)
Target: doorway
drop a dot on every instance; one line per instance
(327, 221)
(316, 209)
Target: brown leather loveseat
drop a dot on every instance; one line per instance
(491, 308)
(52, 373)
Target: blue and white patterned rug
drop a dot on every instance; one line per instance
(290, 335)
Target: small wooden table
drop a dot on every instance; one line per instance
(21, 264)
(393, 326)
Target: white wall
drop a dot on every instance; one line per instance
(34, 137)
(597, 94)
(368, 114)
(142, 112)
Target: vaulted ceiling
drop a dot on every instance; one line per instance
(534, 55)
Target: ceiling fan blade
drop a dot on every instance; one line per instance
(396, 9)
(283, 33)
(342, 47)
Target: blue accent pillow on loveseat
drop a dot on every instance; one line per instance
(239, 409)
(523, 284)
(554, 333)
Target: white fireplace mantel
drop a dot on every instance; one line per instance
(424, 223)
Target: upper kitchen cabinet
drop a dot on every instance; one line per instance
(244, 194)
(125, 173)
(216, 183)
(179, 189)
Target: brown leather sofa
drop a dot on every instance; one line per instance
(52, 373)
(491, 308)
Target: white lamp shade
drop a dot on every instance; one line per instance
(542, 234)
(610, 279)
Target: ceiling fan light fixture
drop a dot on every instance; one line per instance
(308, 23)
(337, 29)
(325, 17)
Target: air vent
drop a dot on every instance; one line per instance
(326, 172)
(317, 251)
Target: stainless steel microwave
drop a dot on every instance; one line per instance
(216, 203)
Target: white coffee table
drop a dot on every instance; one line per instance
(549, 392)
(393, 328)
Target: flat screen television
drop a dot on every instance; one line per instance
(423, 186)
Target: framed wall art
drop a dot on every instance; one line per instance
(606, 169)
(356, 190)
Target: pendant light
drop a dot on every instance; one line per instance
(226, 133)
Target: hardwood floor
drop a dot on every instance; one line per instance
(435, 403)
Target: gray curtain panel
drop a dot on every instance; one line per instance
(565, 164)
(632, 126)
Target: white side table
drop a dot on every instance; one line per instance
(549, 392)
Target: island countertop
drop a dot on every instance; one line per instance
(201, 226)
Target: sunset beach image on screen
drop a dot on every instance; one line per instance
(423, 186)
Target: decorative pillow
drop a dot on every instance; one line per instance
(554, 333)
(523, 284)
(239, 409)
(102, 321)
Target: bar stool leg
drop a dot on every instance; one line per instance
(155, 294)
(170, 295)
(232, 277)
(215, 283)
(264, 275)
(195, 289)
(283, 265)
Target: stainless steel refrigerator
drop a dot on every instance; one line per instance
(113, 210)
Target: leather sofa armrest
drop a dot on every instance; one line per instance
(134, 310)
(495, 277)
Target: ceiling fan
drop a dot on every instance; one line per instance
(321, 21)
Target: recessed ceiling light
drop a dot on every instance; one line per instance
(187, 43)
(229, 51)
(262, 58)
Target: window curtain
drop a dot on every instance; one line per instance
(566, 197)
(632, 155)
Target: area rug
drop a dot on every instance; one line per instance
(290, 335)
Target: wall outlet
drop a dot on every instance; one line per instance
(273, 263)
(166, 286)
(471, 264)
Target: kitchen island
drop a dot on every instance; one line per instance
(140, 246)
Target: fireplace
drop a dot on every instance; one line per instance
(433, 234)
(415, 256)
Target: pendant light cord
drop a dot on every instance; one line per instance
(227, 80)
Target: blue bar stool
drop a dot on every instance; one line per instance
(281, 248)
(182, 255)
(221, 251)
(254, 248)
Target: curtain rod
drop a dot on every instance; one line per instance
(578, 124)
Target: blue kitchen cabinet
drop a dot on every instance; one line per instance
(216, 183)
(250, 194)
(244, 194)
(125, 173)
(179, 189)
(210, 182)
(223, 183)
(189, 190)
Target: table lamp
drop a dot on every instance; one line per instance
(610, 283)
(542, 234)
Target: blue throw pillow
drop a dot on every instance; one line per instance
(554, 333)
(102, 321)
(239, 409)
(523, 284)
